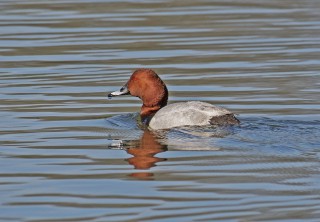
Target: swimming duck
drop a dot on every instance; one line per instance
(147, 85)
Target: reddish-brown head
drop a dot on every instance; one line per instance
(147, 85)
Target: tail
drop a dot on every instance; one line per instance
(228, 119)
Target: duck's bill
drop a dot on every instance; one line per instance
(123, 91)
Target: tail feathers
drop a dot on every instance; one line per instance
(228, 119)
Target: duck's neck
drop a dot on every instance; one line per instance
(150, 107)
(148, 112)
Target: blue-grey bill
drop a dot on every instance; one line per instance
(123, 91)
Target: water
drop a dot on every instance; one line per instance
(70, 154)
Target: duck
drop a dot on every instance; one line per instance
(158, 115)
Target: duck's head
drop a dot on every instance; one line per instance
(147, 85)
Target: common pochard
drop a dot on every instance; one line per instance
(147, 85)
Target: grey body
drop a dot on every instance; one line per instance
(189, 113)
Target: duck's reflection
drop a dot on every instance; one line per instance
(145, 150)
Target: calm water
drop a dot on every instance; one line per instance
(69, 154)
